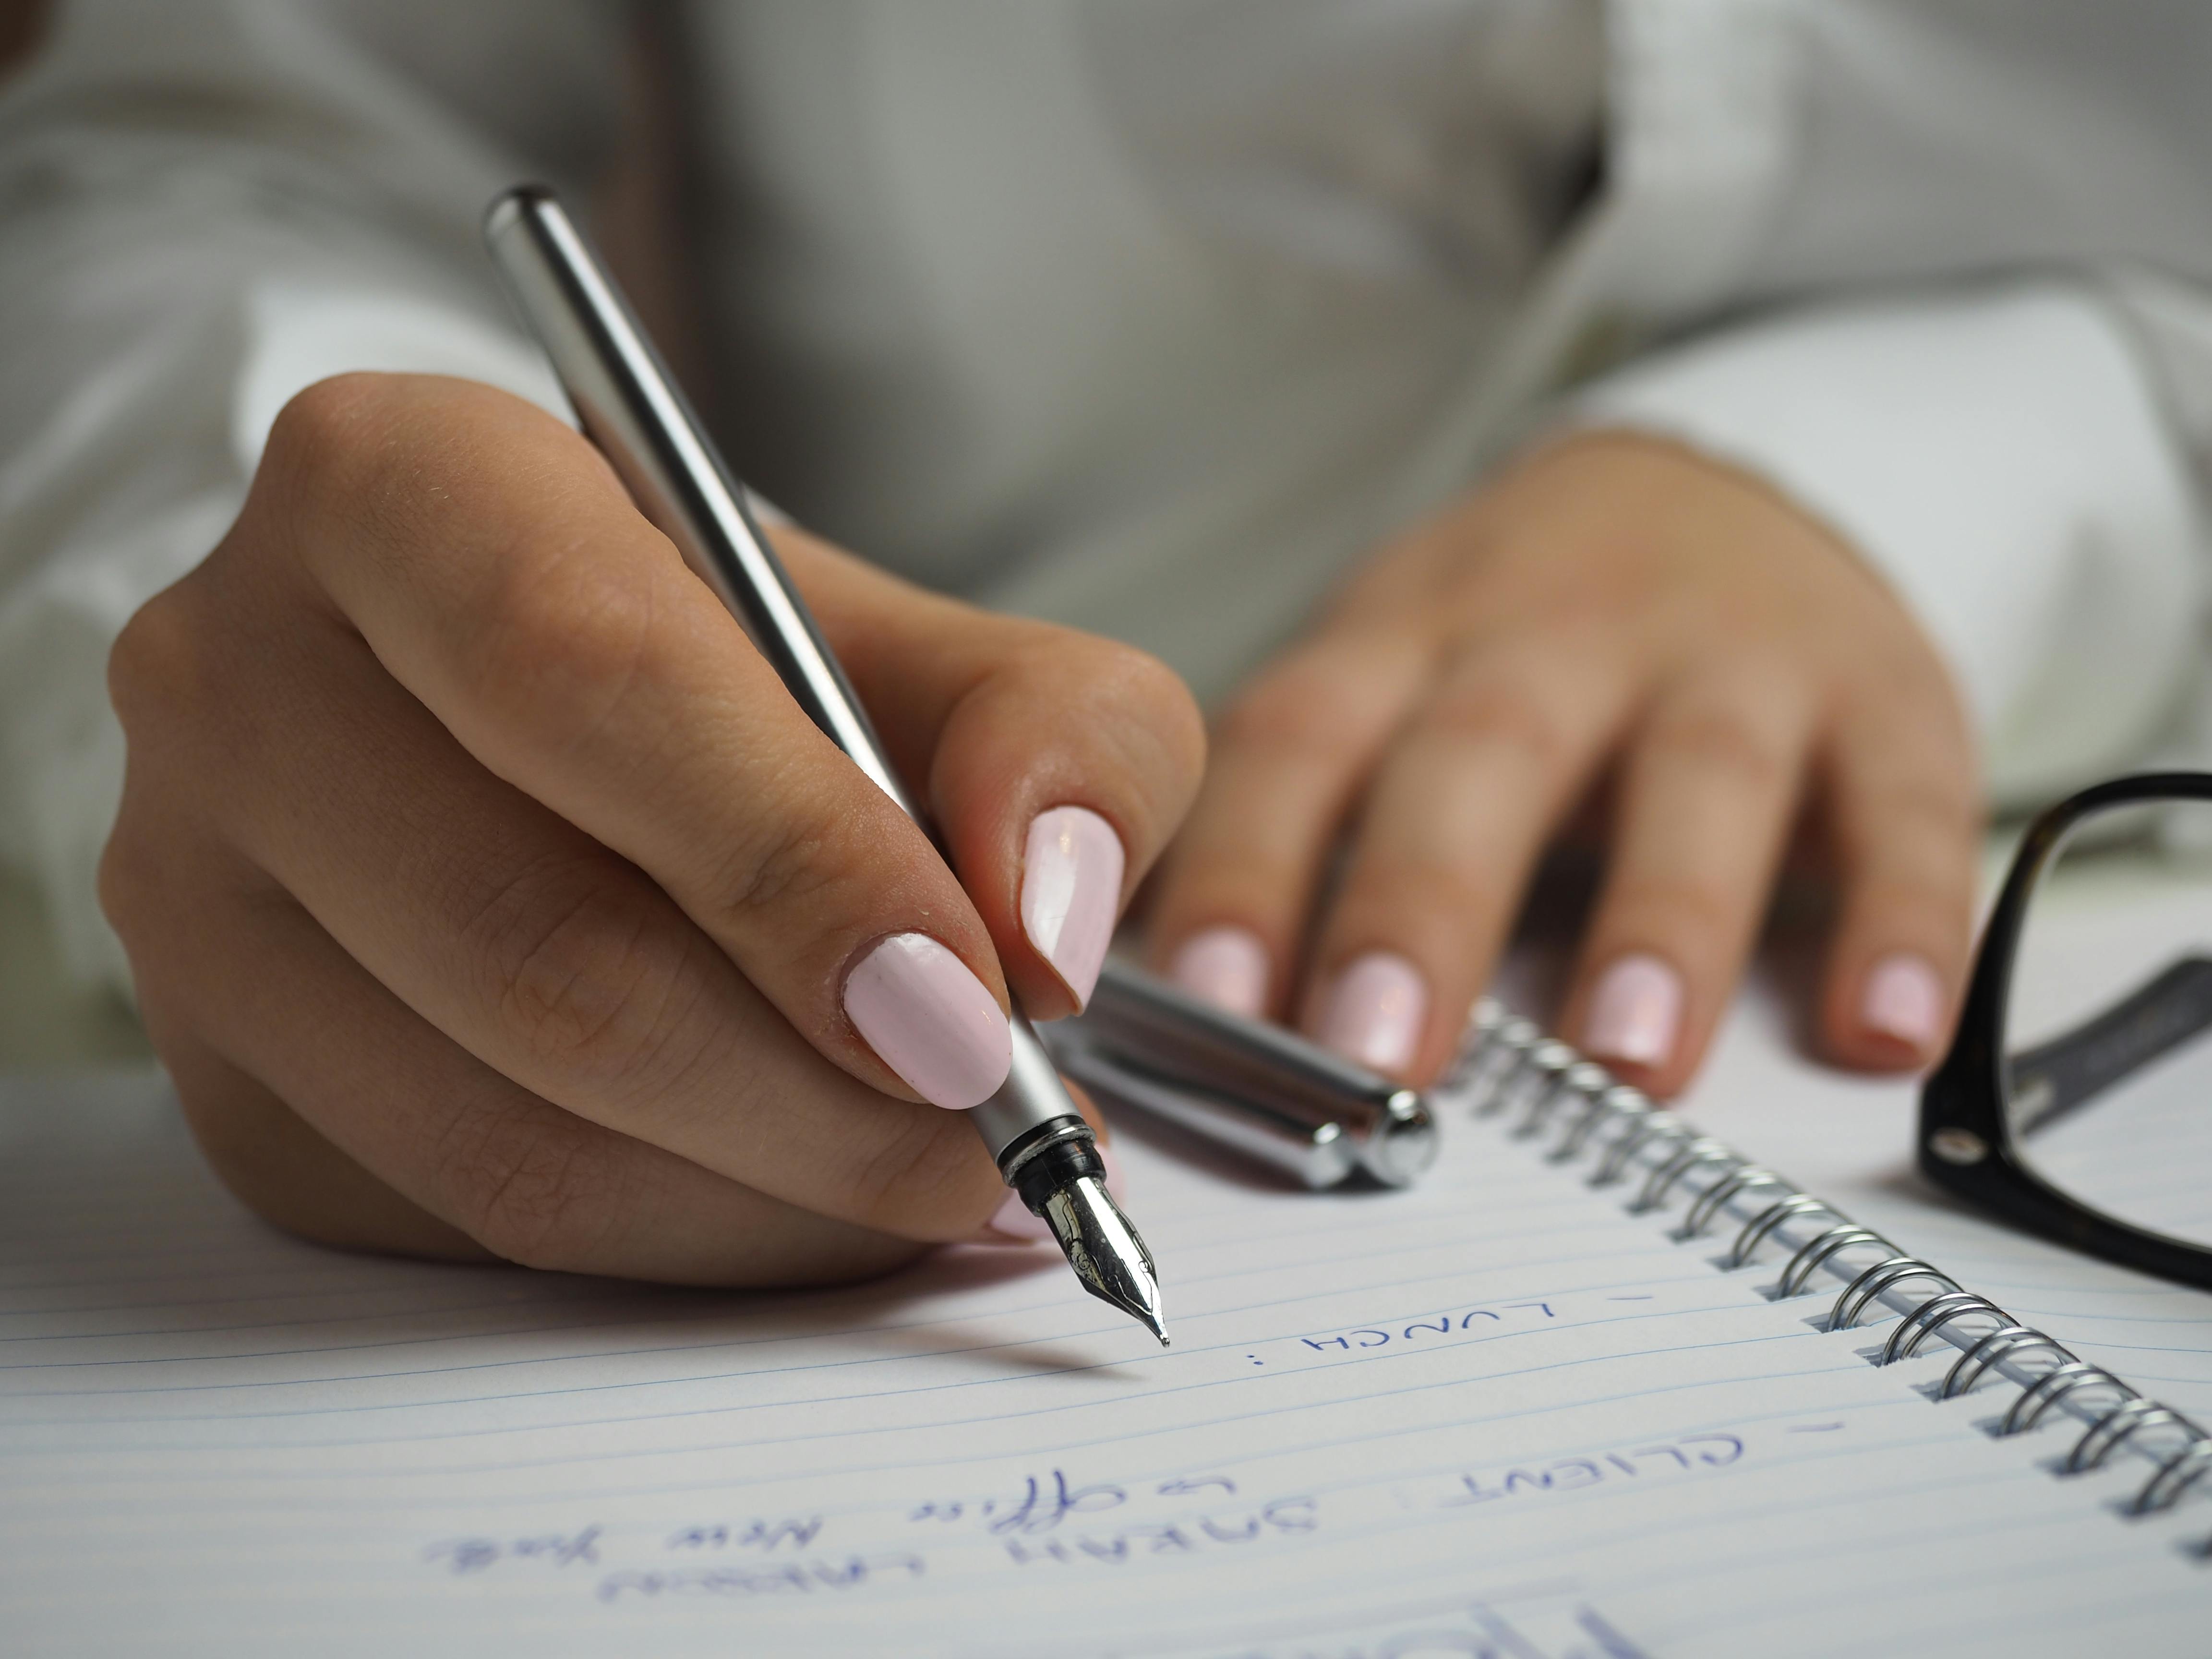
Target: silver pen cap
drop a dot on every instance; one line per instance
(1257, 1089)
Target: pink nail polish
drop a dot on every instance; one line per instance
(1376, 1010)
(1637, 1013)
(1071, 892)
(1903, 1000)
(930, 1020)
(1224, 966)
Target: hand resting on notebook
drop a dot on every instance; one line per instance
(485, 890)
(1614, 611)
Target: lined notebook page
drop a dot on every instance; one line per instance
(1494, 1415)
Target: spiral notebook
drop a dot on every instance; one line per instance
(1549, 1404)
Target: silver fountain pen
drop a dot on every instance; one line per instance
(631, 409)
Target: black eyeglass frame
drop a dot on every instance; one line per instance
(1966, 1143)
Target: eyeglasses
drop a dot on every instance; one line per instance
(2076, 1099)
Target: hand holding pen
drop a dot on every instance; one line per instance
(631, 408)
(488, 894)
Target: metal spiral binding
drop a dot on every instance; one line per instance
(1999, 1344)
(1814, 1256)
(2027, 1410)
(2175, 1476)
(1508, 1067)
(1708, 1203)
(1756, 1229)
(1864, 1290)
(1577, 1081)
(1621, 1102)
(1917, 1326)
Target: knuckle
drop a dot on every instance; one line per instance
(1135, 677)
(1943, 804)
(154, 664)
(1906, 903)
(1721, 742)
(529, 1186)
(1123, 719)
(1155, 707)
(1214, 872)
(1923, 876)
(1272, 710)
(317, 439)
(585, 975)
(1903, 666)
(1908, 703)
(1685, 910)
(123, 883)
(333, 407)
(358, 465)
(1298, 706)
(1932, 809)
(556, 643)
(1503, 711)
(1432, 890)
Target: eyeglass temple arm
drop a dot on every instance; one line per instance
(2164, 1011)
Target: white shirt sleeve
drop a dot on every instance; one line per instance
(2001, 458)
(174, 271)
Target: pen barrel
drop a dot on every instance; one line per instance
(630, 407)
(1317, 1155)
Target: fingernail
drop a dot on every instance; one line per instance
(1013, 1224)
(1636, 1013)
(1903, 1000)
(931, 1021)
(1376, 1010)
(1224, 966)
(1071, 892)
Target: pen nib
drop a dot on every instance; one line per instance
(1105, 1251)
